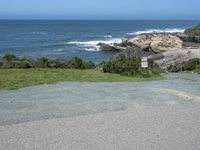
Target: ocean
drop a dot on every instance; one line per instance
(69, 38)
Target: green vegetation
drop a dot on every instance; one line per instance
(193, 31)
(197, 71)
(11, 61)
(174, 68)
(18, 78)
(130, 66)
(17, 72)
(191, 65)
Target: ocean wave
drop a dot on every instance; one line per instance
(41, 33)
(93, 45)
(167, 30)
(108, 36)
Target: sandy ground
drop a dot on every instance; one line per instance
(173, 124)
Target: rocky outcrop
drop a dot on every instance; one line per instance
(165, 48)
(176, 57)
(193, 31)
(156, 42)
(188, 38)
(107, 47)
(190, 35)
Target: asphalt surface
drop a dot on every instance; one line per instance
(146, 115)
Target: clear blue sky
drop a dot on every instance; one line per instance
(100, 9)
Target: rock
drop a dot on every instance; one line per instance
(135, 52)
(177, 57)
(156, 56)
(188, 38)
(141, 41)
(165, 42)
(155, 42)
(106, 47)
(193, 31)
(191, 35)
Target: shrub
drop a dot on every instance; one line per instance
(76, 63)
(129, 66)
(189, 65)
(1, 64)
(89, 65)
(174, 68)
(42, 62)
(9, 57)
(155, 68)
(22, 64)
(11, 61)
(192, 64)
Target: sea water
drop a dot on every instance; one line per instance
(67, 38)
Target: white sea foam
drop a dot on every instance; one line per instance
(167, 30)
(59, 50)
(93, 45)
(108, 36)
(41, 33)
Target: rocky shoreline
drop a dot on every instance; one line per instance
(164, 48)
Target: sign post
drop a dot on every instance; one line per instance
(144, 62)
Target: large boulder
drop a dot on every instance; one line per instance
(165, 42)
(141, 41)
(106, 47)
(156, 42)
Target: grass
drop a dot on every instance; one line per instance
(11, 79)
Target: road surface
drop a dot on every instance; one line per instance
(103, 116)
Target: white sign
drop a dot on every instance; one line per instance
(144, 59)
(144, 62)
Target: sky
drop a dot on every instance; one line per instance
(101, 9)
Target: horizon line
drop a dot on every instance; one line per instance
(39, 19)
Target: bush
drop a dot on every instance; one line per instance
(22, 64)
(192, 64)
(122, 65)
(11, 61)
(78, 63)
(42, 62)
(9, 57)
(89, 65)
(129, 66)
(155, 68)
(174, 68)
